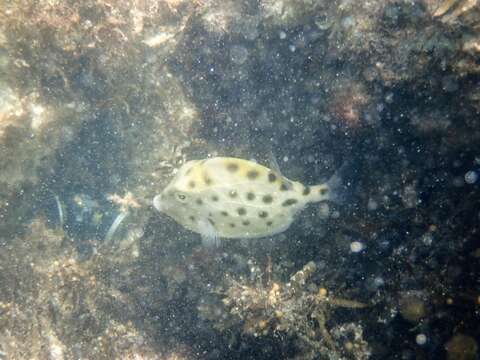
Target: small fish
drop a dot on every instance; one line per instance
(226, 197)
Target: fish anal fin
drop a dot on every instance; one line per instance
(210, 238)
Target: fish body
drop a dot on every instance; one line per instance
(226, 197)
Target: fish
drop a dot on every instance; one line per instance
(226, 197)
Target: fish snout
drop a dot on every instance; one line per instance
(157, 202)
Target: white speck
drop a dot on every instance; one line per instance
(378, 281)
(282, 35)
(421, 339)
(348, 22)
(389, 98)
(372, 205)
(471, 177)
(427, 239)
(285, 159)
(292, 48)
(356, 246)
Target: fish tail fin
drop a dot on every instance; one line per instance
(338, 188)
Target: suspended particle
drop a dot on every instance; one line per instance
(471, 177)
(421, 339)
(378, 281)
(356, 246)
(372, 205)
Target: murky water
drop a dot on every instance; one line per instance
(102, 103)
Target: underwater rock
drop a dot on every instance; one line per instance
(62, 307)
(289, 13)
(412, 307)
(461, 347)
(285, 308)
(30, 134)
(100, 98)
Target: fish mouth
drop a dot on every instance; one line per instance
(157, 202)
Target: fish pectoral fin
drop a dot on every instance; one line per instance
(209, 234)
(273, 163)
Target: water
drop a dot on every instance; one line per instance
(101, 105)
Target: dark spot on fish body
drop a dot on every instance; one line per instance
(199, 201)
(285, 186)
(272, 177)
(211, 222)
(267, 199)
(246, 223)
(232, 225)
(263, 214)
(269, 223)
(192, 218)
(252, 174)
(233, 194)
(289, 202)
(224, 213)
(232, 167)
(250, 196)
(191, 184)
(208, 180)
(214, 198)
(306, 190)
(241, 211)
(323, 191)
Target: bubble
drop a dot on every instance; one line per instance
(389, 98)
(412, 307)
(471, 177)
(292, 48)
(238, 54)
(378, 281)
(372, 205)
(421, 339)
(427, 238)
(282, 35)
(356, 246)
(348, 22)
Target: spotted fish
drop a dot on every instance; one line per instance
(226, 197)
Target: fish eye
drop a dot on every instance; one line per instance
(181, 197)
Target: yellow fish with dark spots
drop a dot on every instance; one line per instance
(233, 198)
